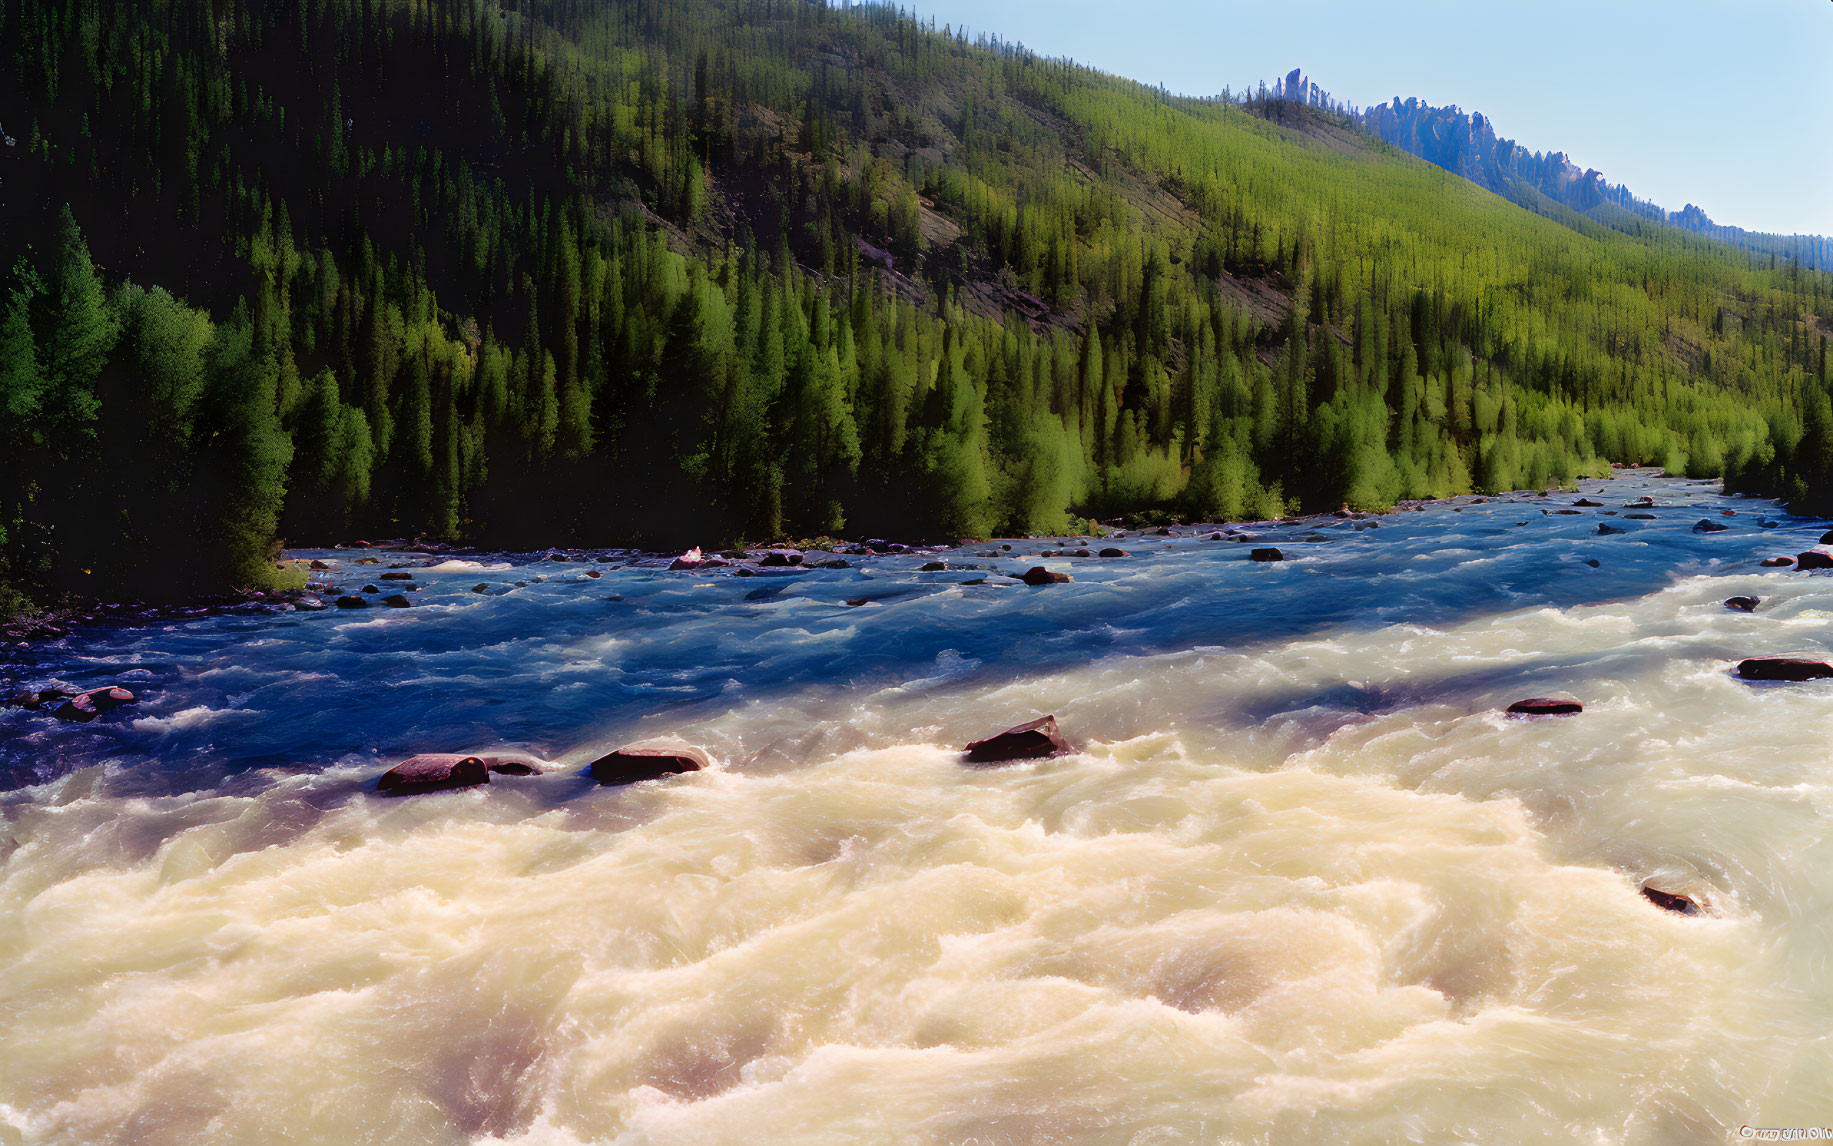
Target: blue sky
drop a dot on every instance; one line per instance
(1723, 103)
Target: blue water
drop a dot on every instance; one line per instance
(552, 661)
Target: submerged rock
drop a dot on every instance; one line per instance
(1587, 503)
(1640, 517)
(1707, 525)
(1038, 575)
(512, 766)
(433, 772)
(1607, 530)
(1033, 741)
(1547, 706)
(1668, 901)
(480, 588)
(629, 765)
(1743, 604)
(1784, 668)
(1266, 553)
(397, 601)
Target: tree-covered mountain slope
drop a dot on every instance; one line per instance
(675, 271)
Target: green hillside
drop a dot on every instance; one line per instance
(699, 271)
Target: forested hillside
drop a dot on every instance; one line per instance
(691, 271)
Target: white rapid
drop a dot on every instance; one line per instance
(1304, 883)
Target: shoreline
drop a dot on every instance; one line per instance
(57, 622)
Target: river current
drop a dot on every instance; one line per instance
(1303, 882)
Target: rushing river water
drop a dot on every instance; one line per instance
(1304, 883)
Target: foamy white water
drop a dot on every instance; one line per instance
(1304, 883)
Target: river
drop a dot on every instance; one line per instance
(1303, 882)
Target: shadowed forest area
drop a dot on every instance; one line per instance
(670, 272)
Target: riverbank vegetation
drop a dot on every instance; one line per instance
(688, 271)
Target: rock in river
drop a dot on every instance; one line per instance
(1267, 553)
(1707, 525)
(352, 603)
(1784, 668)
(1778, 562)
(1815, 559)
(1032, 741)
(1038, 575)
(628, 765)
(433, 772)
(1668, 901)
(1113, 553)
(1743, 604)
(1546, 706)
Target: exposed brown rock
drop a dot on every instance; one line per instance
(1032, 741)
(1113, 553)
(1668, 901)
(1546, 706)
(397, 576)
(1038, 575)
(1784, 668)
(1743, 604)
(1814, 559)
(629, 765)
(352, 603)
(1778, 562)
(433, 772)
(397, 601)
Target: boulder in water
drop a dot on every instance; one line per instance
(1547, 706)
(397, 601)
(1033, 741)
(1668, 901)
(1778, 562)
(1743, 604)
(1814, 559)
(1038, 575)
(1707, 525)
(512, 766)
(316, 564)
(1605, 529)
(629, 765)
(1113, 552)
(352, 603)
(935, 567)
(1266, 553)
(1784, 668)
(433, 772)
(1827, 538)
(780, 560)
(1587, 503)
(480, 588)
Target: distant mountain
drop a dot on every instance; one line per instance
(1467, 143)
